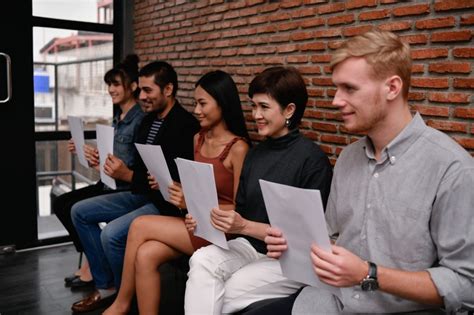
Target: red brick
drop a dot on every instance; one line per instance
(450, 67)
(321, 58)
(324, 104)
(440, 111)
(322, 81)
(467, 19)
(464, 83)
(374, 15)
(326, 148)
(290, 4)
(416, 9)
(467, 143)
(417, 68)
(312, 22)
(301, 36)
(311, 135)
(356, 30)
(341, 19)
(449, 97)
(451, 126)
(297, 59)
(335, 139)
(280, 38)
(453, 5)
(429, 53)
(423, 82)
(415, 39)
(331, 8)
(335, 44)
(301, 13)
(396, 26)
(258, 19)
(354, 4)
(287, 48)
(447, 21)
(310, 70)
(464, 52)
(462, 112)
(451, 36)
(329, 127)
(416, 96)
(332, 32)
(312, 46)
(284, 16)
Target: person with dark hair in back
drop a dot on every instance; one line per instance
(400, 212)
(122, 82)
(153, 240)
(226, 281)
(167, 124)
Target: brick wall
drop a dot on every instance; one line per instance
(245, 37)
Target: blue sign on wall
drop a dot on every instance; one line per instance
(41, 82)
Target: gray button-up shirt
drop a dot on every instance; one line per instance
(411, 210)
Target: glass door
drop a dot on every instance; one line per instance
(18, 224)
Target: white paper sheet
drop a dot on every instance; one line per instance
(105, 145)
(77, 134)
(155, 162)
(299, 214)
(199, 188)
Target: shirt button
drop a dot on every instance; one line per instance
(356, 296)
(368, 206)
(363, 236)
(392, 159)
(376, 175)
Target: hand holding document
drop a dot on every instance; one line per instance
(77, 134)
(155, 162)
(299, 214)
(199, 187)
(105, 145)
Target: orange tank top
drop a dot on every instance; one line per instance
(223, 177)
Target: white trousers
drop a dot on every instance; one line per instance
(225, 281)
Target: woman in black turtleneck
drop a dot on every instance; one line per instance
(222, 281)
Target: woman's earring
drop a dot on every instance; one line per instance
(287, 122)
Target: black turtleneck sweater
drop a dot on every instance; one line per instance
(290, 160)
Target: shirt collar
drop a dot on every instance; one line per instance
(400, 144)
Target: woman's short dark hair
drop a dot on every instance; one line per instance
(222, 88)
(163, 74)
(285, 85)
(127, 70)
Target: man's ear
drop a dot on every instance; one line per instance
(134, 86)
(289, 110)
(168, 91)
(394, 85)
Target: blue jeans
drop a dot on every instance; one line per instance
(105, 249)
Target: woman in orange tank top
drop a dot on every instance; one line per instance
(153, 240)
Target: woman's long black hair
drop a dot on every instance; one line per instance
(222, 88)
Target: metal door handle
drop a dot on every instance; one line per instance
(9, 77)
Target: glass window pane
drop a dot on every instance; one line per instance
(57, 173)
(95, 11)
(79, 60)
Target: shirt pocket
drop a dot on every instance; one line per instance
(403, 234)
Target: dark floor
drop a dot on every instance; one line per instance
(32, 282)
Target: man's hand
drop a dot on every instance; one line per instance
(340, 268)
(152, 182)
(177, 195)
(116, 168)
(276, 243)
(227, 221)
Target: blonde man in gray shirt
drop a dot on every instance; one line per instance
(401, 207)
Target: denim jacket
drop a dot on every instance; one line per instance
(125, 136)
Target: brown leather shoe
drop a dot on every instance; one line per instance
(92, 302)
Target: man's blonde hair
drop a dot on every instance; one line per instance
(384, 51)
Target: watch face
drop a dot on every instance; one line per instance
(369, 285)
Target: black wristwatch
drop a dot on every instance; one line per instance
(370, 282)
